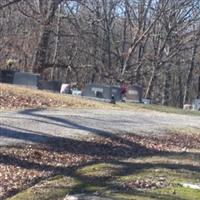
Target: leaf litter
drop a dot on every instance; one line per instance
(22, 167)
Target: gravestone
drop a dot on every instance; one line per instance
(50, 85)
(196, 105)
(102, 92)
(26, 79)
(7, 76)
(134, 93)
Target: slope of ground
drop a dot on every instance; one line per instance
(75, 152)
(16, 97)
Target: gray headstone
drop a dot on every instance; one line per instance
(196, 104)
(26, 79)
(102, 91)
(7, 76)
(50, 85)
(134, 93)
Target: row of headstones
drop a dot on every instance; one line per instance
(134, 93)
(29, 80)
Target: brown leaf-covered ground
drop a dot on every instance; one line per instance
(15, 97)
(23, 166)
(26, 165)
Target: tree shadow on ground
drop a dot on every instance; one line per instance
(112, 152)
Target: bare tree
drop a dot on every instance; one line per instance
(6, 3)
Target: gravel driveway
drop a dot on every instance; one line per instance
(37, 126)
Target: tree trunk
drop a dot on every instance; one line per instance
(57, 39)
(41, 51)
(180, 83)
(151, 84)
(190, 73)
(167, 88)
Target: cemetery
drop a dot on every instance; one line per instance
(107, 154)
(99, 92)
(99, 100)
(95, 91)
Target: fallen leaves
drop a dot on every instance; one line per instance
(23, 101)
(15, 97)
(21, 167)
(171, 142)
(145, 183)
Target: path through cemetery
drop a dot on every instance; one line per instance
(38, 126)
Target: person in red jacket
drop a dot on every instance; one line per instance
(123, 90)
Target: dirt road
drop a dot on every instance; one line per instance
(37, 126)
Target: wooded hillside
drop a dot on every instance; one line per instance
(154, 43)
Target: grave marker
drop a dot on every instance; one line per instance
(26, 79)
(134, 93)
(102, 92)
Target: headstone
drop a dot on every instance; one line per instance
(115, 92)
(102, 92)
(50, 85)
(7, 76)
(26, 79)
(134, 93)
(196, 105)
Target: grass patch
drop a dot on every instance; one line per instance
(125, 180)
(140, 175)
(159, 108)
(99, 170)
(55, 188)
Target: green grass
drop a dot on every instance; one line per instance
(106, 180)
(169, 109)
(55, 188)
(158, 108)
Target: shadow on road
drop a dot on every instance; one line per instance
(107, 147)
